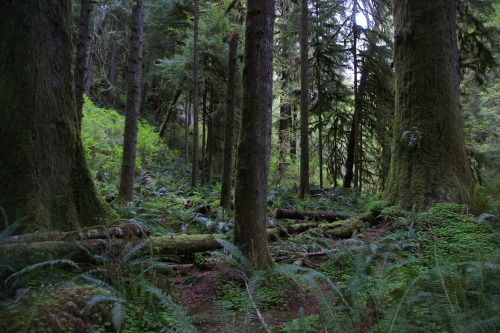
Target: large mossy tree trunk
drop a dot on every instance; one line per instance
(255, 135)
(43, 172)
(127, 176)
(429, 161)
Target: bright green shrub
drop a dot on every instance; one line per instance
(102, 135)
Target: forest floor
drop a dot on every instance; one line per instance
(405, 260)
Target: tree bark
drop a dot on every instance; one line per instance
(43, 173)
(285, 120)
(204, 137)
(196, 102)
(352, 146)
(255, 135)
(81, 56)
(127, 178)
(227, 172)
(93, 47)
(113, 72)
(429, 161)
(304, 100)
(169, 112)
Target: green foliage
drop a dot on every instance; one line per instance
(454, 235)
(102, 135)
(53, 309)
(178, 317)
(309, 324)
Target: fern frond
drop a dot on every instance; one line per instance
(134, 251)
(97, 282)
(97, 299)
(7, 232)
(224, 316)
(235, 256)
(117, 316)
(178, 313)
(50, 263)
(479, 325)
(97, 257)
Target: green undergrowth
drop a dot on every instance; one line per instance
(410, 271)
(102, 136)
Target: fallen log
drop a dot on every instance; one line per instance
(301, 215)
(29, 251)
(124, 230)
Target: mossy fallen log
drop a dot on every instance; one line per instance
(31, 252)
(26, 250)
(343, 229)
(300, 215)
(126, 230)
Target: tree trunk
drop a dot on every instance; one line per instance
(285, 120)
(94, 44)
(204, 137)
(43, 172)
(186, 126)
(168, 114)
(304, 101)
(127, 177)
(81, 56)
(216, 141)
(113, 72)
(255, 135)
(352, 145)
(227, 172)
(196, 103)
(429, 162)
(320, 127)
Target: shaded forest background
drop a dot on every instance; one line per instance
(348, 249)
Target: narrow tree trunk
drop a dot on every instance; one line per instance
(196, 102)
(186, 125)
(96, 36)
(43, 173)
(227, 172)
(285, 120)
(81, 56)
(204, 138)
(255, 136)
(293, 137)
(304, 100)
(320, 127)
(113, 73)
(209, 140)
(170, 111)
(429, 161)
(284, 124)
(127, 177)
(352, 146)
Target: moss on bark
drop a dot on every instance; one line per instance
(43, 173)
(429, 162)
